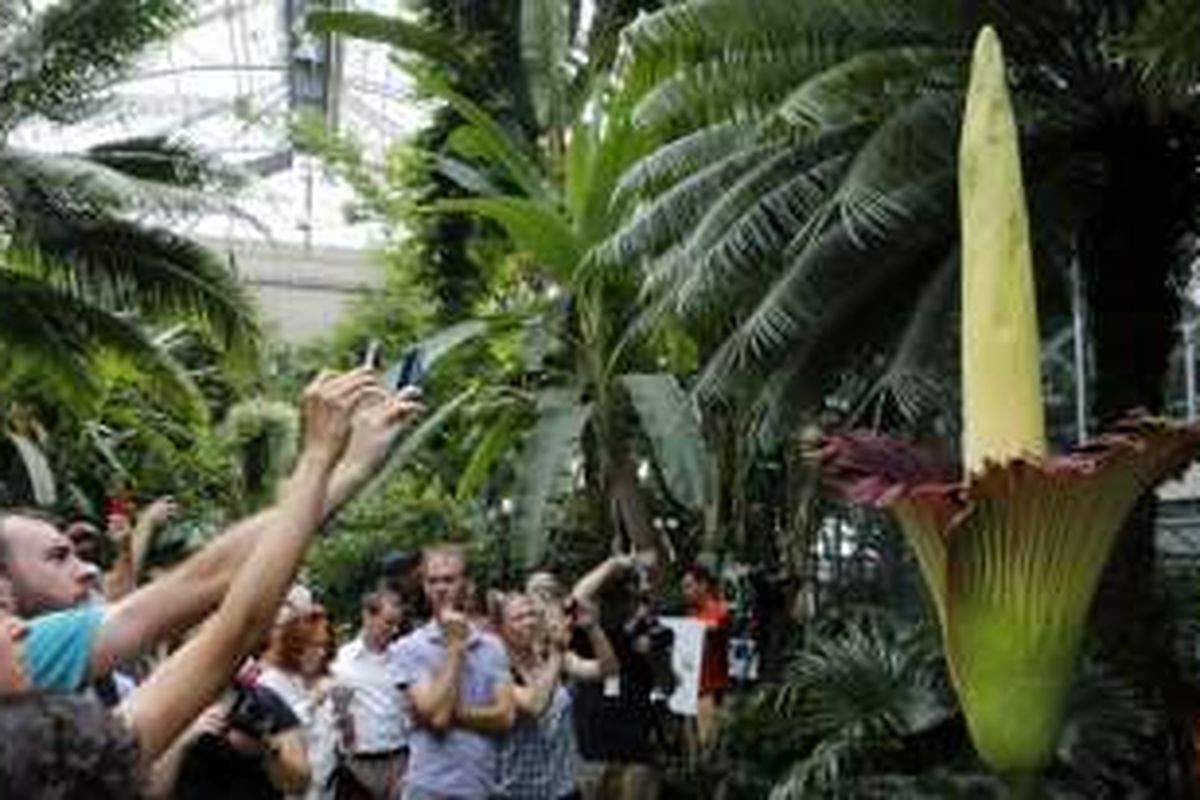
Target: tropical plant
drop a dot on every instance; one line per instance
(807, 139)
(584, 388)
(864, 709)
(804, 205)
(1012, 552)
(85, 255)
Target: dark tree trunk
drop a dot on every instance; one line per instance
(1128, 253)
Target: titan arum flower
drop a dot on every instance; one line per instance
(1012, 549)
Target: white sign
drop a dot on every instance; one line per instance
(687, 655)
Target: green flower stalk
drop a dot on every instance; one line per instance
(1011, 550)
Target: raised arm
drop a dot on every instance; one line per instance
(132, 542)
(534, 697)
(187, 594)
(194, 675)
(587, 587)
(604, 661)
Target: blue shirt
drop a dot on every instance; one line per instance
(58, 649)
(458, 763)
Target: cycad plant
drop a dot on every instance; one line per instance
(804, 195)
(1012, 551)
(863, 709)
(84, 255)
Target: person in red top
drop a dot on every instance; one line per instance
(702, 594)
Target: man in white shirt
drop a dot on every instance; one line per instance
(369, 703)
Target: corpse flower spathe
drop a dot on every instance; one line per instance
(1012, 549)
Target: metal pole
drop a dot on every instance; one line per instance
(1080, 352)
(1189, 367)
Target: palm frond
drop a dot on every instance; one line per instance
(544, 470)
(869, 87)
(913, 380)
(1163, 43)
(37, 469)
(671, 161)
(42, 184)
(125, 267)
(535, 227)
(670, 217)
(670, 422)
(854, 695)
(503, 148)
(546, 35)
(391, 30)
(734, 85)
(71, 340)
(164, 160)
(60, 60)
(657, 43)
(739, 240)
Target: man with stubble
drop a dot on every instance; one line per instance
(459, 687)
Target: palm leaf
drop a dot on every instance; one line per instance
(670, 421)
(37, 469)
(491, 140)
(498, 438)
(437, 344)
(64, 186)
(1163, 42)
(61, 59)
(125, 267)
(163, 160)
(683, 156)
(535, 227)
(544, 469)
(545, 47)
(390, 30)
(69, 340)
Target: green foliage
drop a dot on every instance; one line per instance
(400, 34)
(671, 424)
(88, 284)
(407, 512)
(801, 205)
(262, 436)
(38, 475)
(60, 344)
(546, 34)
(64, 55)
(544, 472)
(864, 710)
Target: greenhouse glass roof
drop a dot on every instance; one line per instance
(229, 83)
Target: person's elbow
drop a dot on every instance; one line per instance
(434, 720)
(506, 716)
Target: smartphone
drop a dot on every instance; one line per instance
(409, 371)
(371, 355)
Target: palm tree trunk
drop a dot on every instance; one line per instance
(1128, 253)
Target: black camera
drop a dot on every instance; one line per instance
(249, 714)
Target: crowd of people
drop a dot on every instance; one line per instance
(223, 677)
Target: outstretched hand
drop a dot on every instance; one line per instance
(376, 426)
(328, 406)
